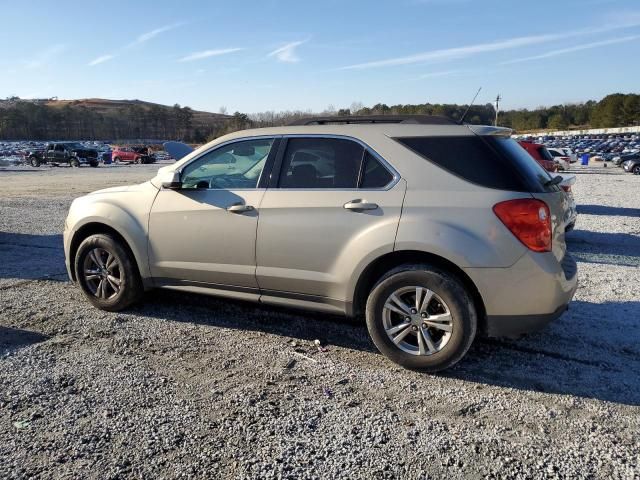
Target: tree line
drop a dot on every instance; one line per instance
(36, 121)
(616, 110)
(26, 120)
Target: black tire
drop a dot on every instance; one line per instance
(130, 288)
(94, 164)
(74, 162)
(449, 289)
(116, 160)
(35, 161)
(636, 170)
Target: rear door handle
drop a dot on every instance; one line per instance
(239, 208)
(359, 204)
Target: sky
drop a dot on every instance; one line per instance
(254, 56)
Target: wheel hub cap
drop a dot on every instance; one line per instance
(417, 320)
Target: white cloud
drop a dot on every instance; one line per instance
(45, 56)
(440, 74)
(100, 59)
(287, 53)
(208, 53)
(562, 51)
(145, 37)
(466, 51)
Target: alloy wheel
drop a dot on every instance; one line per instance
(417, 320)
(102, 273)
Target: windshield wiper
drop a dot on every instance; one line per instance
(554, 181)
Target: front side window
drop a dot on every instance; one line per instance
(236, 165)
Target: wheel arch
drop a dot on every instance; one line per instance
(93, 228)
(381, 265)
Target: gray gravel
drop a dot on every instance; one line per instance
(192, 386)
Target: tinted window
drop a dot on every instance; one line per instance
(530, 170)
(468, 157)
(374, 174)
(321, 163)
(236, 165)
(544, 153)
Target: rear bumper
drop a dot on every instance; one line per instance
(511, 326)
(526, 296)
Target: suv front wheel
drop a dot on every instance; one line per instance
(106, 273)
(421, 317)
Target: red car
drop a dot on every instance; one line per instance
(540, 154)
(131, 154)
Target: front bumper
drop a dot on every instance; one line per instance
(526, 296)
(66, 241)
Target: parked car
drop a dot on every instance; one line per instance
(620, 160)
(632, 165)
(130, 154)
(567, 183)
(430, 229)
(563, 161)
(72, 153)
(540, 155)
(145, 154)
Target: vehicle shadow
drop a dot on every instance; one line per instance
(27, 257)
(603, 247)
(14, 338)
(570, 357)
(608, 211)
(592, 351)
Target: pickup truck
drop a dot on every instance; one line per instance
(72, 153)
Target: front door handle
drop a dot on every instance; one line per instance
(360, 204)
(239, 208)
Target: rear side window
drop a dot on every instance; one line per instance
(321, 163)
(470, 158)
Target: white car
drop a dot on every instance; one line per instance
(560, 157)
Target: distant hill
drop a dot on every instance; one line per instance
(105, 106)
(104, 119)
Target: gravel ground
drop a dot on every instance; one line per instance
(185, 385)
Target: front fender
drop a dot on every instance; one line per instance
(126, 212)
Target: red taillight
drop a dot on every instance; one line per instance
(529, 220)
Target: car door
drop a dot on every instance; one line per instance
(335, 204)
(50, 154)
(205, 232)
(59, 153)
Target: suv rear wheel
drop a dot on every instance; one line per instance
(74, 162)
(106, 273)
(35, 162)
(421, 317)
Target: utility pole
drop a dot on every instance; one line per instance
(498, 98)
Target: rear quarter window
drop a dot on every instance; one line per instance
(468, 157)
(492, 162)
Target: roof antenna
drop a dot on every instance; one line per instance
(468, 107)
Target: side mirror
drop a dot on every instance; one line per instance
(171, 180)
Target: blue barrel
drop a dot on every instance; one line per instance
(585, 159)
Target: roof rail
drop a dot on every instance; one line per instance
(412, 119)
